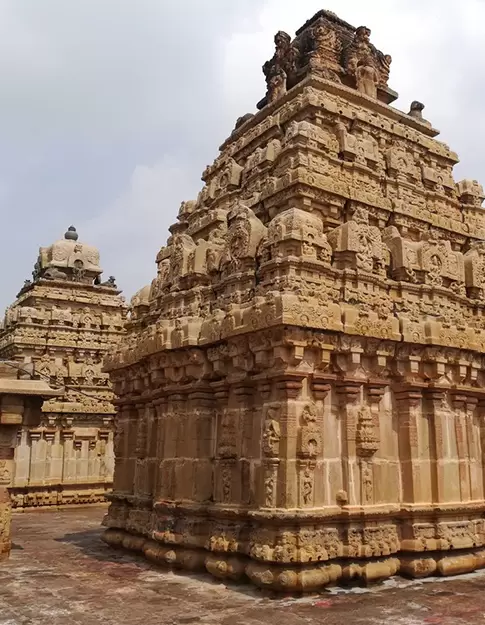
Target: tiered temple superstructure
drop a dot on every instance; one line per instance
(62, 324)
(302, 387)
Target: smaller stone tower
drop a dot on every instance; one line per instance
(62, 324)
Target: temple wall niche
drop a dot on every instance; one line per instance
(309, 356)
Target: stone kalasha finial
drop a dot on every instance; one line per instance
(71, 234)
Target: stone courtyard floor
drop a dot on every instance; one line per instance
(61, 573)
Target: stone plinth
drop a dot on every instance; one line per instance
(301, 390)
(61, 325)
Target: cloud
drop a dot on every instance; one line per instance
(132, 229)
(110, 110)
(91, 93)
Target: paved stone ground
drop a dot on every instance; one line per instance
(61, 573)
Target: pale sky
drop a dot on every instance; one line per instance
(111, 109)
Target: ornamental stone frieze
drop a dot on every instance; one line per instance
(300, 390)
(62, 324)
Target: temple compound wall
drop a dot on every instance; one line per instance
(20, 400)
(301, 391)
(61, 325)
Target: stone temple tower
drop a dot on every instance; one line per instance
(302, 388)
(62, 324)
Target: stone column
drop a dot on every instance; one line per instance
(36, 460)
(292, 473)
(409, 401)
(244, 396)
(266, 445)
(349, 394)
(56, 457)
(140, 450)
(80, 449)
(459, 403)
(201, 407)
(436, 400)
(22, 459)
(160, 406)
(121, 473)
(69, 461)
(226, 444)
(49, 457)
(105, 450)
(481, 417)
(7, 443)
(93, 460)
(473, 448)
(367, 441)
(329, 457)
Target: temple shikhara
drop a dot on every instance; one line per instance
(59, 329)
(301, 390)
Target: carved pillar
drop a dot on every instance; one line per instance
(201, 406)
(36, 463)
(226, 444)
(160, 406)
(93, 460)
(244, 395)
(120, 450)
(7, 443)
(481, 417)
(349, 394)
(436, 404)
(69, 462)
(140, 485)
(22, 459)
(473, 438)
(130, 442)
(409, 402)
(78, 458)
(151, 417)
(367, 441)
(270, 447)
(105, 447)
(49, 457)
(56, 458)
(459, 403)
(288, 388)
(327, 486)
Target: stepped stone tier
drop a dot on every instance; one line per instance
(302, 387)
(20, 399)
(63, 322)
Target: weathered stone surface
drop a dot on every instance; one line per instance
(301, 390)
(58, 329)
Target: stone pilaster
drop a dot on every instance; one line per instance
(437, 411)
(459, 404)
(409, 402)
(349, 394)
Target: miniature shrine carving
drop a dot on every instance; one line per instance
(307, 369)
